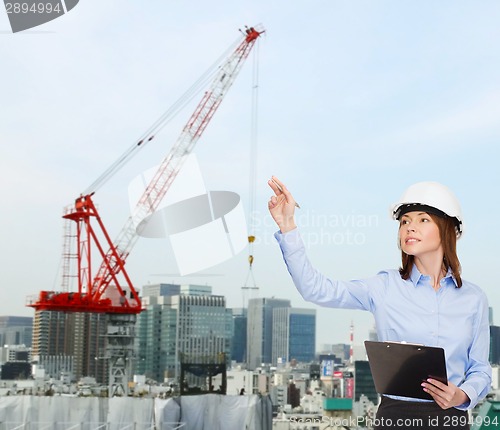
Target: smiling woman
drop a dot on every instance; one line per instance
(423, 238)
(429, 230)
(424, 302)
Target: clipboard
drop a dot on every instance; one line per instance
(400, 368)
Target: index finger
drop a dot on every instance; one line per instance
(280, 186)
(275, 187)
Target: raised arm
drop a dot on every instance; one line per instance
(311, 284)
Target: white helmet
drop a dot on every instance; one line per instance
(431, 197)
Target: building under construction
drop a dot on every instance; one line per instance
(105, 294)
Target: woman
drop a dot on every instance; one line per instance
(426, 301)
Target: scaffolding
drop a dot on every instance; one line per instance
(120, 352)
(198, 373)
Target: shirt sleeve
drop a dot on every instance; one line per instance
(314, 286)
(477, 381)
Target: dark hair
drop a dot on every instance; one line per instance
(448, 235)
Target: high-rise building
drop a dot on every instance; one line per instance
(294, 335)
(204, 328)
(78, 336)
(185, 321)
(260, 330)
(239, 342)
(156, 339)
(16, 330)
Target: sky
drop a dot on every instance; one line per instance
(356, 101)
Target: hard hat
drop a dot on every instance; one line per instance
(431, 197)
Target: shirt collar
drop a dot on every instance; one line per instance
(415, 276)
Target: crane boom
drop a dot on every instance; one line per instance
(94, 293)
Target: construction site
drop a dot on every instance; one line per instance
(99, 316)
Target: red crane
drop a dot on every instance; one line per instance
(110, 290)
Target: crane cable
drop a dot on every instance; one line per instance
(253, 171)
(162, 121)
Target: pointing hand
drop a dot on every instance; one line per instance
(282, 205)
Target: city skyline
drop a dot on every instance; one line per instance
(355, 104)
(14, 332)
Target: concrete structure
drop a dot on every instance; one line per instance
(15, 353)
(55, 366)
(257, 381)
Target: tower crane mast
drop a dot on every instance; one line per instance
(104, 292)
